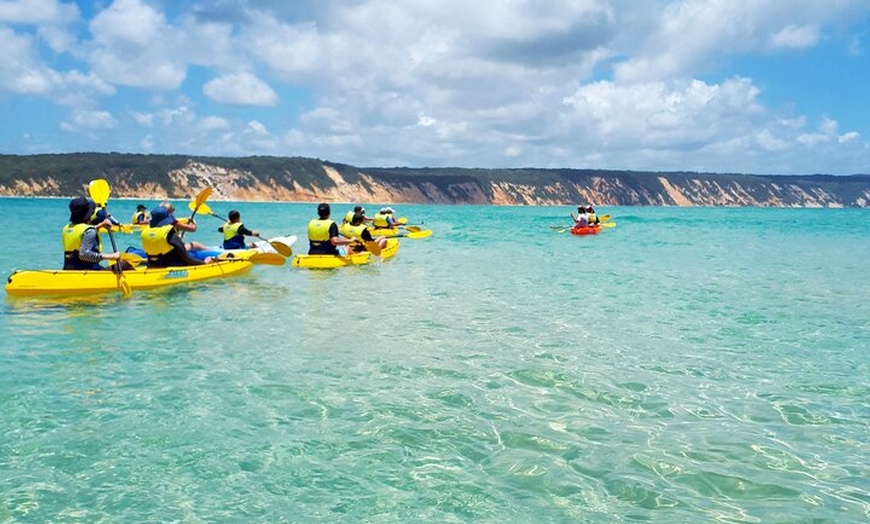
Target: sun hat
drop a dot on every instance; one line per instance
(160, 216)
(389, 210)
(81, 209)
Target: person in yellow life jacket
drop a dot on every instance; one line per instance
(323, 235)
(162, 241)
(141, 216)
(235, 231)
(384, 219)
(591, 216)
(81, 241)
(357, 231)
(349, 215)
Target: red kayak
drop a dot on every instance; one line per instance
(586, 230)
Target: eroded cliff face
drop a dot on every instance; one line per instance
(466, 187)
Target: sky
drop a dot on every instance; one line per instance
(726, 86)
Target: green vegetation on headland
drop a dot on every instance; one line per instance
(308, 179)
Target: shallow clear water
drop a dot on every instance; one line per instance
(688, 365)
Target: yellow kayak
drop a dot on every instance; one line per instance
(128, 228)
(399, 233)
(337, 261)
(53, 282)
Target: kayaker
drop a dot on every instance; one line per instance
(81, 240)
(384, 219)
(235, 231)
(357, 231)
(162, 241)
(591, 217)
(349, 215)
(141, 216)
(582, 219)
(323, 235)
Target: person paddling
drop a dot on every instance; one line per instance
(141, 216)
(323, 235)
(162, 241)
(581, 219)
(384, 219)
(356, 230)
(81, 240)
(235, 231)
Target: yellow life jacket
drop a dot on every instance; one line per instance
(72, 235)
(354, 231)
(346, 230)
(318, 237)
(592, 218)
(348, 217)
(232, 230)
(380, 220)
(140, 217)
(318, 230)
(155, 240)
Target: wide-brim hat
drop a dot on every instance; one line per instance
(160, 216)
(81, 209)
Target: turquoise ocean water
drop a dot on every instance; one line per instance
(689, 365)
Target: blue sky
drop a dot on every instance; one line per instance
(746, 86)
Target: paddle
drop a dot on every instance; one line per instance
(416, 235)
(271, 259)
(372, 247)
(99, 191)
(280, 247)
(197, 203)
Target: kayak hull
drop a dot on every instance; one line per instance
(58, 282)
(337, 261)
(586, 230)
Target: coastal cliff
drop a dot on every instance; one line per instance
(297, 179)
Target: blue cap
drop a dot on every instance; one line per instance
(160, 216)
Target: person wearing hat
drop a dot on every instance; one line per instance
(141, 216)
(162, 241)
(81, 241)
(234, 232)
(323, 236)
(357, 231)
(383, 219)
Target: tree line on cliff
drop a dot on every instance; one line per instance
(67, 174)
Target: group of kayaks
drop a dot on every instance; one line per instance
(273, 251)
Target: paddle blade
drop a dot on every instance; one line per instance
(202, 207)
(272, 259)
(201, 198)
(402, 221)
(99, 191)
(604, 218)
(283, 249)
(124, 286)
(373, 248)
(413, 229)
(608, 224)
(132, 258)
(416, 235)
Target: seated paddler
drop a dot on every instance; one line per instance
(82, 248)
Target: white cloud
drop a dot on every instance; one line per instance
(134, 46)
(82, 120)
(611, 83)
(792, 36)
(49, 12)
(240, 88)
(213, 123)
